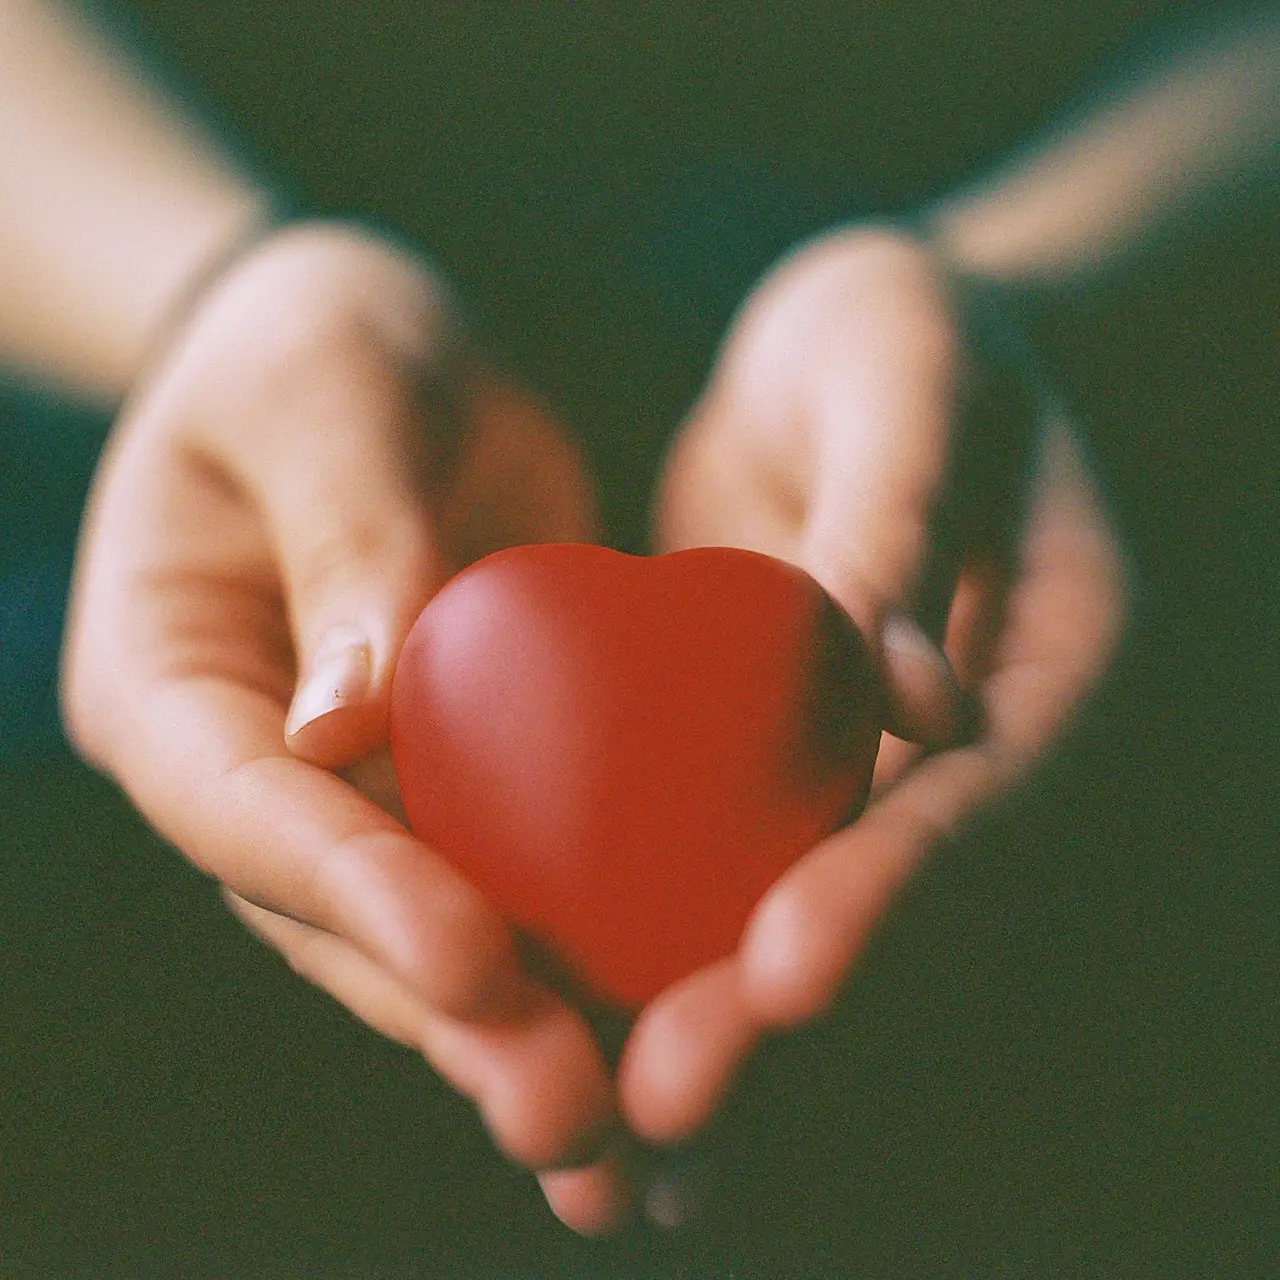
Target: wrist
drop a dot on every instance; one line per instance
(281, 294)
(989, 238)
(197, 261)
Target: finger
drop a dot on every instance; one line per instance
(925, 702)
(894, 758)
(810, 927)
(203, 759)
(519, 479)
(975, 620)
(866, 548)
(715, 492)
(683, 1053)
(690, 1044)
(374, 776)
(593, 1201)
(339, 483)
(536, 1077)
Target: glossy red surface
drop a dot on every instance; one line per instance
(625, 752)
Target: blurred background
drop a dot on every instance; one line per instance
(1060, 1055)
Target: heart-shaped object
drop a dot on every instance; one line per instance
(624, 752)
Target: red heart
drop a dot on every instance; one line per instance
(625, 752)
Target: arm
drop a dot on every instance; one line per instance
(111, 203)
(1190, 133)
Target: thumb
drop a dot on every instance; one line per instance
(358, 559)
(869, 541)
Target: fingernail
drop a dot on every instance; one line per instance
(339, 675)
(904, 635)
(905, 638)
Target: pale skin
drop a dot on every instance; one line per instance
(230, 649)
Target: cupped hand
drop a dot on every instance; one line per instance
(312, 457)
(823, 438)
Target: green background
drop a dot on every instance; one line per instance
(1059, 1056)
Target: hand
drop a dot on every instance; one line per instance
(822, 439)
(310, 462)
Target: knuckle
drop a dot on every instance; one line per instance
(348, 547)
(304, 958)
(439, 937)
(538, 1123)
(319, 287)
(465, 982)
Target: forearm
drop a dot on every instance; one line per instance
(1192, 131)
(110, 204)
